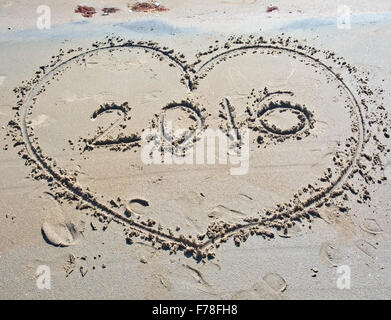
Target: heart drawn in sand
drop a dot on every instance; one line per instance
(304, 128)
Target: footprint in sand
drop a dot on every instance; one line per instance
(317, 178)
(137, 206)
(371, 226)
(275, 281)
(62, 234)
(271, 286)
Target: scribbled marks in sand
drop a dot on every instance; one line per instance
(197, 275)
(301, 114)
(178, 123)
(103, 136)
(163, 281)
(83, 264)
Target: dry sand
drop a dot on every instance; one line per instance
(76, 196)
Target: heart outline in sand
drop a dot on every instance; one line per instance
(192, 246)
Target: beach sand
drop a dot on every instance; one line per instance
(94, 188)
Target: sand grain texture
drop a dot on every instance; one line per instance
(80, 98)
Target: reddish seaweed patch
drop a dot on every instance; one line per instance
(85, 11)
(271, 9)
(147, 7)
(110, 10)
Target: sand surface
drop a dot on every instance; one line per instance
(83, 197)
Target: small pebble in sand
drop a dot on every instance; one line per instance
(83, 271)
(142, 260)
